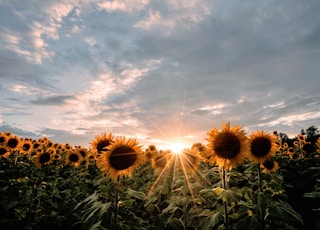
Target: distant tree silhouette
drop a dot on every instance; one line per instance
(312, 134)
(283, 137)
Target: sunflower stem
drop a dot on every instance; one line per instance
(225, 202)
(116, 207)
(260, 191)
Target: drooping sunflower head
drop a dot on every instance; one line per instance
(229, 147)
(262, 146)
(101, 142)
(42, 158)
(269, 166)
(121, 157)
(73, 158)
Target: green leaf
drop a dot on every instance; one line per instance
(137, 194)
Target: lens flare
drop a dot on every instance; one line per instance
(176, 147)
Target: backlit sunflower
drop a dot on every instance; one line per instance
(262, 146)
(73, 158)
(159, 161)
(228, 147)
(189, 160)
(202, 150)
(42, 158)
(100, 143)
(121, 157)
(269, 166)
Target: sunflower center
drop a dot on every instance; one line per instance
(122, 157)
(74, 158)
(268, 164)
(260, 146)
(3, 151)
(12, 143)
(26, 146)
(102, 144)
(2, 139)
(45, 157)
(227, 145)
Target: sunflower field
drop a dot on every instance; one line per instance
(234, 180)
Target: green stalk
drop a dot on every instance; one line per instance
(225, 202)
(261, 191)
(116, 207)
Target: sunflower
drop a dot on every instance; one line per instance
(202, 150)
(309, 148)
(73, 158)
(121, 157)
(285, 145)
(189, 160)
(42, 158)
(262, 146)
(4, 152)
(3, 139)
(269, 165)
(159, 161)
(301, 138)
(100, 143)
(291, 152)
(36, 145)
(13, 143)
(228, 147)
(26, 146)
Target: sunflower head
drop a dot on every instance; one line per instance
(42, 158)
(189, 160)
(101, 142)
(121, 157)
(3, 140)
(73, 158)
(13, 142)
(4, 152)
(269, 166)
(291, 152)
(228, 147)
(309, 148)
(26, 146)
(301, 138)
(262, 146)
(159, 161)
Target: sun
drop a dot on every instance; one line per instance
(176, 147)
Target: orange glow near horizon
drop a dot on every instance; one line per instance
(176, 146)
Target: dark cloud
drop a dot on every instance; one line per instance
(54, 100)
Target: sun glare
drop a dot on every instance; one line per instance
(176, 147)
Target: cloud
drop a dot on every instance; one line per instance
(53, 100)
(123, 5)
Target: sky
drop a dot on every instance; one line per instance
(157, 70)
